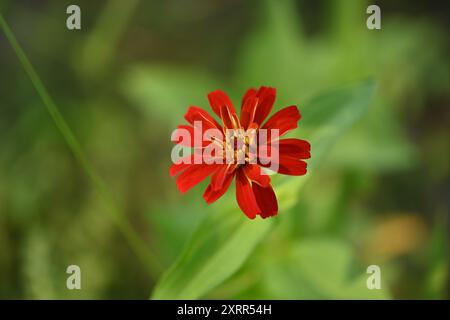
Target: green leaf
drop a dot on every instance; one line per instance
(226, 238)
(218, 248)
(277, 38)
(160, 91)
(318, 269)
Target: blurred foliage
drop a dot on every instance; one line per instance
(123, 82)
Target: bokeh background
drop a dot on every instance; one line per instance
(124, 81)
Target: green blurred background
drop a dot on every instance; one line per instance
(124, 81)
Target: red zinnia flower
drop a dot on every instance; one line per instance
(254, 194)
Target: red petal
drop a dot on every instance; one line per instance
(250, 93)
(256, 106)
(218, 179)
(266, 199)
(180, 166)
(198, 114)
(295, 148)
(212, 194)
(284, 120)
(223, 107)
(266, 98)
(287, 165)
(229, 119)
(195, 174)
(245, 196)
(292, 166)
(247, 107)
(254, 173)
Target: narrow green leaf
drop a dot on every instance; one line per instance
(226, 238)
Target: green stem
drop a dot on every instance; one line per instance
(135, 242)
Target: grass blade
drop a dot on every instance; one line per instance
(135, 242)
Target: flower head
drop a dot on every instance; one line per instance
(239, 147)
